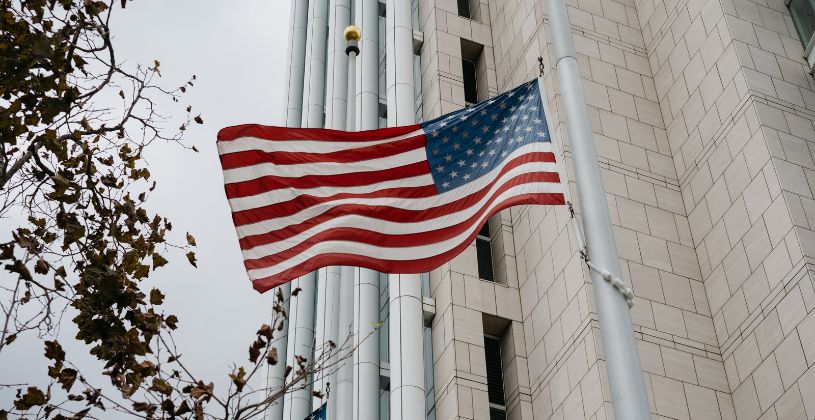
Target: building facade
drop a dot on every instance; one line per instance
(703, 114)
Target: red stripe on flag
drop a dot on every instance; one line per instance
(389, 266)
(377, 151)
(356, 179)
(404, 240)
(293, 206)
(267, 132)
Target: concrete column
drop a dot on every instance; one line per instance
(343, 391)
(297, 404)
(314, 78)
(274, 375)
(325, 328)
(319, 329)
(297, 55)
(337, 81)
(367, 77)
(298, 23)
(407, 395)
(399, 63)
(366, 338)
(366, 282)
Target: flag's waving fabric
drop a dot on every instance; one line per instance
(396, 200)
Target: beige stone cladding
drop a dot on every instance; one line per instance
(702, 113)
(739, 108)
(467, 307)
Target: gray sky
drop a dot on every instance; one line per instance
(238, 51)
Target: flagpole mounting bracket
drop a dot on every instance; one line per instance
(615, 281)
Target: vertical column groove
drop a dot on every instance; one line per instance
(297, 404)
(407, 394)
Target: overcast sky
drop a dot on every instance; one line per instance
(238, 51)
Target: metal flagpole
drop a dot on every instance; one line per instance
(352, 35)
(622, 359)
(344, 388)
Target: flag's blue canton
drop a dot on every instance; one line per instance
(466, 144)
(318, 414)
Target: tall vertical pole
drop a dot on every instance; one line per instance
(345, 372)
(366, 281)
(298, 19)
(297, 404)
(619, 347)
(406, 335)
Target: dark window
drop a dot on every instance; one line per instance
(473, 72)
(464, 8)
(803, 15)
(470, 86)
(495, 378)
(498, 413)
(483, 249)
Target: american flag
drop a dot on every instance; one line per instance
(396, 200)
(319, 414)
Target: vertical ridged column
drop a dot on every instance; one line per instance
(336, 87)
(320, 308)
(325, 328)
(366, 282)
(298, 21)
(366, 337)
(406, 348)
(274, 376)
(314, 79)
(407, 395)
(367, 77)
(302, 314)
(297, 404)
(399, 63)
(345, 374)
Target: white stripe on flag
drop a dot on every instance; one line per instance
(248, 173)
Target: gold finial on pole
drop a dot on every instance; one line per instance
(352, 33)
